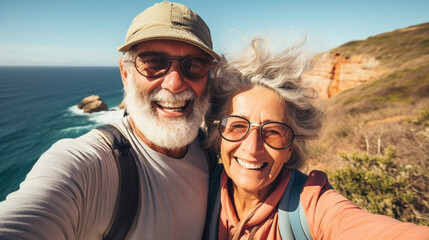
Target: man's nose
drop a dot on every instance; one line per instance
(173, 79)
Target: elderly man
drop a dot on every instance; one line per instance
(72, 191)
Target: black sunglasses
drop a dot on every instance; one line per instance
(156, 64)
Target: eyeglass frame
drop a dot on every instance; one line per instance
(254, 125)
(173, 58)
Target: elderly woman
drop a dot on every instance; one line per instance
(260, 119)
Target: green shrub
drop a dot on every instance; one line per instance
(423, 119)
(379, 185)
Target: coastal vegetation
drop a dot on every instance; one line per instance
(376, 135)
(382, 186)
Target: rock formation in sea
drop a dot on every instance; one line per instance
(92, 104)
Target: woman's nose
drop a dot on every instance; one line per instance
(253, 142)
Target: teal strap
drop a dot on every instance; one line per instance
(304, 223)
(292, 220)
(283, 215)
(294, 210)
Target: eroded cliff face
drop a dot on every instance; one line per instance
(334, 73)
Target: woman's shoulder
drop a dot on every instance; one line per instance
(317, 190)
(318, 180)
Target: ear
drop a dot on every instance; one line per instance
(124, 73)
(292, 148)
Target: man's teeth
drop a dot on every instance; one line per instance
(250, 165)
(172, 106)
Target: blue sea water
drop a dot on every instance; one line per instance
(38, 106)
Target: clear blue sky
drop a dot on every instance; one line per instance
(87, 32)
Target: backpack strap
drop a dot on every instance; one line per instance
(128, 199)
(213, 204)
(210, 154)
(297, 217)
(292, 220)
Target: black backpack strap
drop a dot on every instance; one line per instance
(213, 204)
(128, 200)
(211, 155)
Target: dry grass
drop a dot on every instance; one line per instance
(374, 133)
(390, 111)
(393, 48)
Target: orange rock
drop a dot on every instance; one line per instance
(335, 73)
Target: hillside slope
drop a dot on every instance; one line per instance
(376, 112)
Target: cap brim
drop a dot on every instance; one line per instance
(176, 35)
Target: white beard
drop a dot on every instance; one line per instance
(167, 133)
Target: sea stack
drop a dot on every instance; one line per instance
(92, 104)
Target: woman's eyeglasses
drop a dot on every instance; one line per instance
(156, 64)
(277, 135)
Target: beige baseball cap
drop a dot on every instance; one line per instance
(170, 21)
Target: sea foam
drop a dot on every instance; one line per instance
(96, 119)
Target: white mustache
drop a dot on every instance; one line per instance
(163, 95)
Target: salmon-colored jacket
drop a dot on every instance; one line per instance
(329, 215)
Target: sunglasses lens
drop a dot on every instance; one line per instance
(152, 64)
(156, 64)
(195, 67)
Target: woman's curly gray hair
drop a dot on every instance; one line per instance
(281, 72)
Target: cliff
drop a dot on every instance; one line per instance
(335, 73)
(374, 91)
(358, 62)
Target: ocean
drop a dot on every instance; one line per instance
(38, 107)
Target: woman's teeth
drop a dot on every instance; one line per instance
(253, 166)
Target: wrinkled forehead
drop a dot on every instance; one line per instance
(259, 105)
